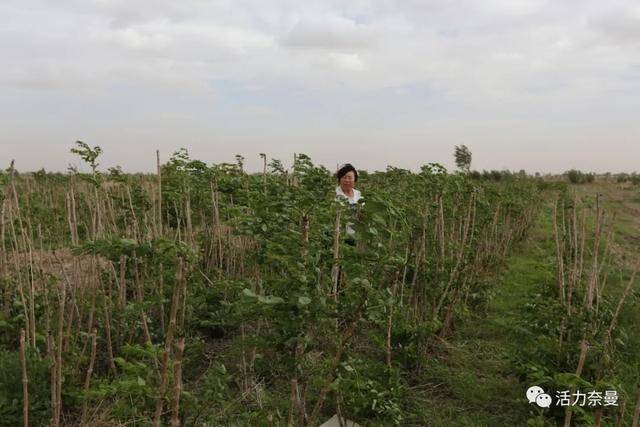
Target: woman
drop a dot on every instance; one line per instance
(347, 177)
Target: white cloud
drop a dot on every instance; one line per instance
(329, 32)
(619, 26)
(335, 65)
(348, 61)
(168, 38)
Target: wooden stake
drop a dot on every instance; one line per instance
(584, 347)
(559, 255)
(335, 273)
(636, 413)
(598, 417)
(614, 319)
(390, 321)
(159, 169)
(620, 416)
(56, 393)
(168, 341)
(107, 323)
(292, 402)
(177, 384)
(342, 346)
(87, 380)
(25, 381)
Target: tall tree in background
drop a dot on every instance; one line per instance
(463, 157)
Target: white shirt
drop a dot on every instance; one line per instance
(352, 200)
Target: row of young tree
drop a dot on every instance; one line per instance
(206, 295)
(583, 339)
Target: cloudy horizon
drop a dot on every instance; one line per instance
(536, 85)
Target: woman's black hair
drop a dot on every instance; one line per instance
(347, 167)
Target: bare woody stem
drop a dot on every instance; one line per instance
(335, 273)
(636, 413)
(168, 342)
(620, 415)
(25, 380)
(584, 347)
(87, 381)
(159, 170)
(344, 341)
(559, 254)
(177, 384)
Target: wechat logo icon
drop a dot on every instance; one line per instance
(537, 395)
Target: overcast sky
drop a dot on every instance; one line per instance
(535, 85)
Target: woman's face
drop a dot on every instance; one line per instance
(347, 181)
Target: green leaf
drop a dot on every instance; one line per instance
(249, 293)
(270, 299)
(569, 379)
(128, 242)
(304, 301)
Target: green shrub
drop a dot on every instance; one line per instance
(38, 373)
(578, 177)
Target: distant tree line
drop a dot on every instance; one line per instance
(578, 177)
(497, 175)
(633, 178)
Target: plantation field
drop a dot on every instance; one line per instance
(500, 351)
(205, 295)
